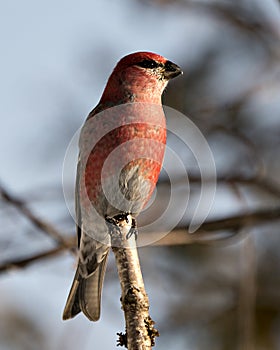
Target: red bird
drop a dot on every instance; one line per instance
(122, 146)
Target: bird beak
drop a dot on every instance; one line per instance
(171, 70)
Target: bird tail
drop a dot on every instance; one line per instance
(85, 294)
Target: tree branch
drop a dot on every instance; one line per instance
(241, 18)
(263, 183)
(178, 236)
(69, 244)
(42, 225)
(140, 331)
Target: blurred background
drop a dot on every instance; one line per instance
(218, 288)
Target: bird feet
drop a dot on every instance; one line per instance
(133, 229)
(125, 222)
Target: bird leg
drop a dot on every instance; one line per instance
(124, 221)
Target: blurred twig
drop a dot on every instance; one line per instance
(178, 236)
(239, 16)
(247, 281)
(258, 180)
(235, 223)
(236, 14)
(42, 225)
(247, 295)
(69, 243)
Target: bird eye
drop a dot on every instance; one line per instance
(148, 64)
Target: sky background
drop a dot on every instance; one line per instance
(55, 59)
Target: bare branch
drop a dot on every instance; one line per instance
(140, 331)
(246, 219)
(234, 224)
(247, 295)
(21, 263)
(42, 225)
(243, 19)
(263, 183)
(178, 236)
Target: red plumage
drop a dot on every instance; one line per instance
(121, 152)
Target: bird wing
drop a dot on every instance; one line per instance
(85, 292)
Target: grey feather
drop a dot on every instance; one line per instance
(85, 293)
(90, 292)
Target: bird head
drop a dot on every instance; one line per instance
(140, 77)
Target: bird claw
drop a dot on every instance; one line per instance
(133, 230)
(122, 220)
